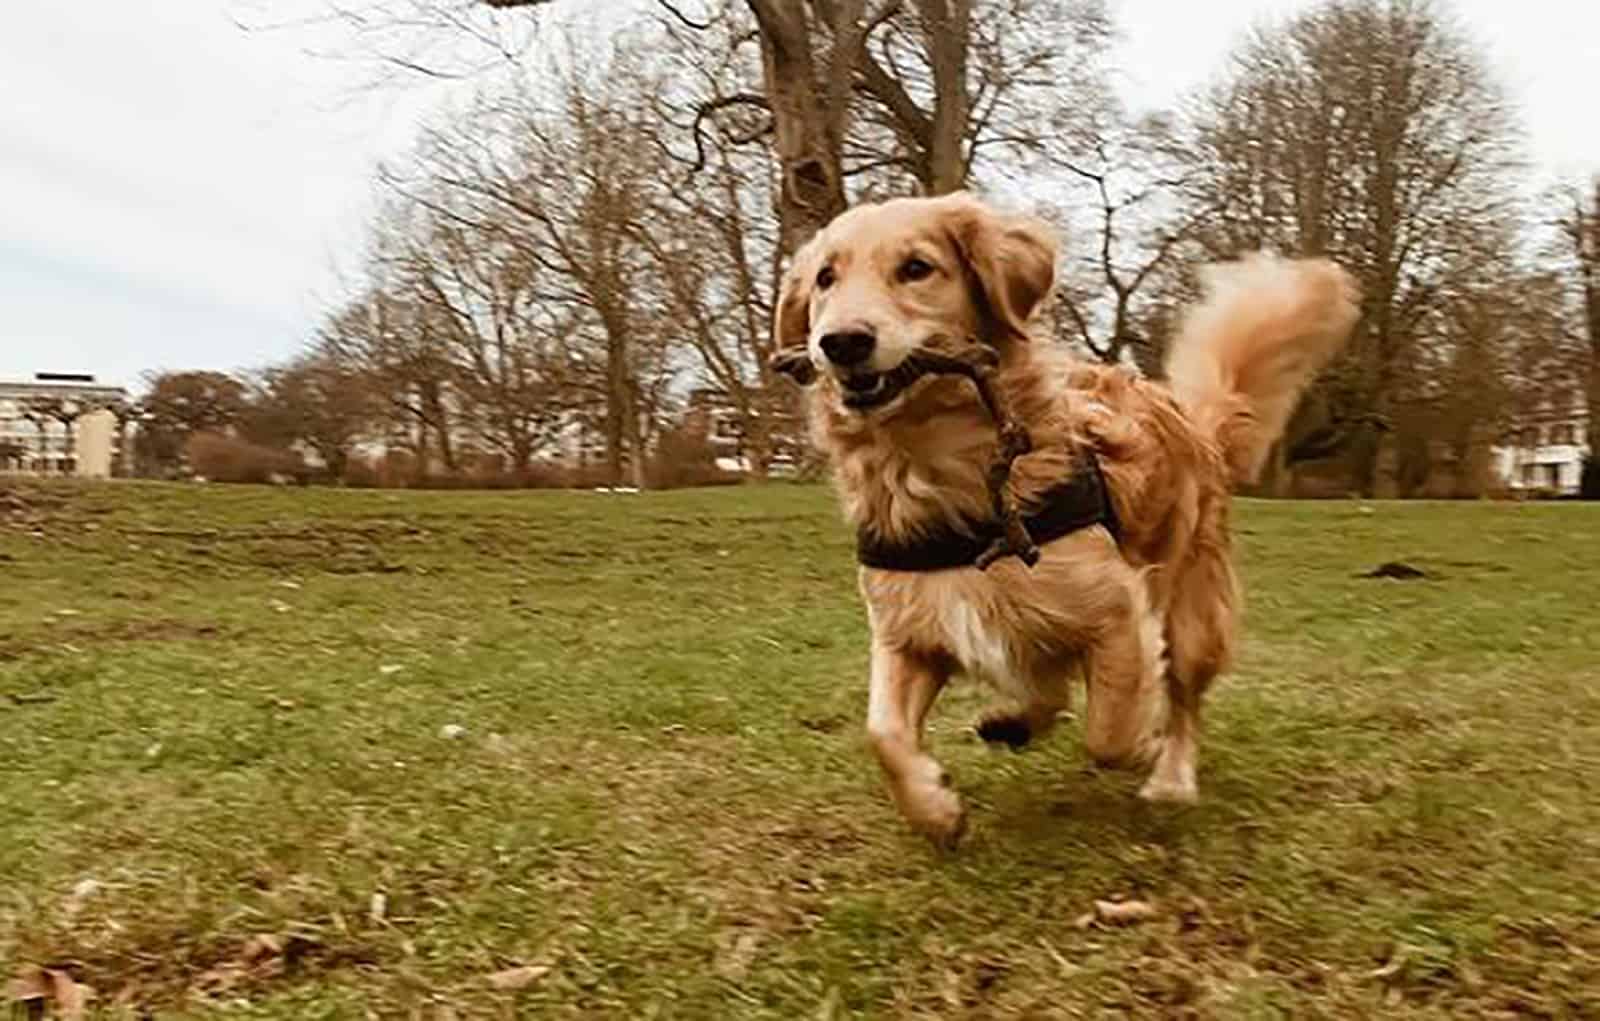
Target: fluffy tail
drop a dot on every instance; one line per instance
(1243, 356)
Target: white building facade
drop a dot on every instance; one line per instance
(35, 442)
(1548, 453)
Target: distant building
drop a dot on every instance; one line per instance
(711, 410)
(57, 424)
(1546, 453)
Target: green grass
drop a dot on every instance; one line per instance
(224, 707)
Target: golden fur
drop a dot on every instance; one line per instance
(1149, 622)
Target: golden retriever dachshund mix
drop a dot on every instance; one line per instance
(1146, 609)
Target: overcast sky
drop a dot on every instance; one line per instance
(178, 193)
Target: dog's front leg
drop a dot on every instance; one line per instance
(904, 686)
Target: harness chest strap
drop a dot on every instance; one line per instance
(1081, 500)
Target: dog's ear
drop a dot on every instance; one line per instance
(791, 319)
(1010, 263)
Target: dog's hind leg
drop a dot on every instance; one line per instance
(1173, 778)
(1200, 625)
(904, 686)
(1125, 710)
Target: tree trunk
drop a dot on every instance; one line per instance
(634, 435)
(434, 402)
(1590, 268)
(948, 26)
(1366, 451)
(812, 180)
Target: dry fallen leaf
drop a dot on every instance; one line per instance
(50, 987)
(260, 948)
(1397, 963)
(518, 978)
(1125, 912)
(260, 957)
(736, 953)
(29, 985)
(82, 892)
(71, 999)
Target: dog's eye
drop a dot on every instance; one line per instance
(915, 269)
(825, 277)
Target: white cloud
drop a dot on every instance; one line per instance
(173, 189)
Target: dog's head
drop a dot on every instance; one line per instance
(883, 281)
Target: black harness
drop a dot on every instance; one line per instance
(1081, 500)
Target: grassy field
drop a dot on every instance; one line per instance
(317, 754)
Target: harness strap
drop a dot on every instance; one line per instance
(1081, 500)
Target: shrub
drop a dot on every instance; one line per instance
(684, 457)
(222, 458)
(1589, 485)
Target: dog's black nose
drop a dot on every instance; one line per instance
(848, 348)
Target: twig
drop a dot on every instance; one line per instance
(977, 363)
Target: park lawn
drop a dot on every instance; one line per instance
(277, 753)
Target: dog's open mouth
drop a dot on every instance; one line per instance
(863, 391)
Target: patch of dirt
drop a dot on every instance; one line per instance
(351, 548)
(1398, 571)
(27, 507)
(163, 969)
(87, 634)
(12, 503)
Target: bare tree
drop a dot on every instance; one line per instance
(477, 293)
(710, 233)
(847, 87)
(383, 337)
(1369, 129)
(1112, 290)
(922, 88)
(181, 404)
(315, 400)
(525, 251)
(1580, 228)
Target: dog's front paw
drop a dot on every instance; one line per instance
(936, 813)
(1173, 779)
(1164, 790)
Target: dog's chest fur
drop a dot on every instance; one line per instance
(988, 624)
(979, 647)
